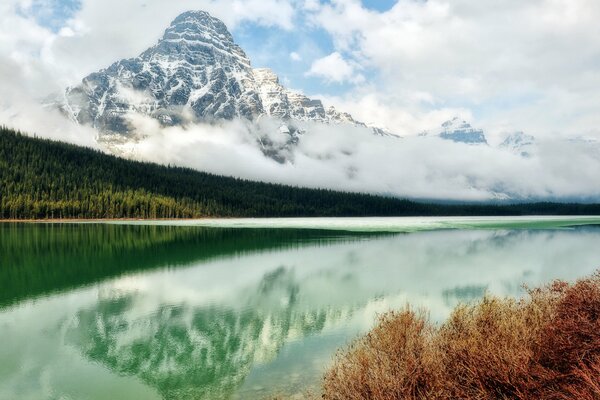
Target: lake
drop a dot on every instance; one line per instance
(244, 309)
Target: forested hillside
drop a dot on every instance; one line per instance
(41, 179)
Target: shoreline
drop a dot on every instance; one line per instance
(71, 220)
(349, 224)
(448, 217)
(304, 217)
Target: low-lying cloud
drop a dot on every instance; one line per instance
(351, 158)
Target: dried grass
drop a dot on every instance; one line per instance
(546, 346)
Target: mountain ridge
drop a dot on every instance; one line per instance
(195, 73)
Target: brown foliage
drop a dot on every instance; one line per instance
(392, 361)
(546, 346)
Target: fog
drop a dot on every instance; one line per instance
(22, 109)
(352, 158)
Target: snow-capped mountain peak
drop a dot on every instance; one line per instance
(195, 73)
(461, 131)
(519, 143)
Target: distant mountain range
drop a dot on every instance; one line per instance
(461, 131)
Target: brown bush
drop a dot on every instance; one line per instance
(393, 361)
(570, 343)
(546, 346)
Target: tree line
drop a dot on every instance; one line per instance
(45, 179)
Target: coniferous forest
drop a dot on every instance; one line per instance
(45, 179)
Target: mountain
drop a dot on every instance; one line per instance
(195, 73)
(519, 143)
(461, 131)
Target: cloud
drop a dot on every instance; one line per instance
(19, 110)
(376, 108)
(533, 65)
(311, 5)
(295, 56)
(335, 69)
(352, 158)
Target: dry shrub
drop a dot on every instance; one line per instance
(546, 346)
(570, 344)
(392, 361)
(584, 383)
(486, 349)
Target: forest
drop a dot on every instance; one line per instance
(46, 179)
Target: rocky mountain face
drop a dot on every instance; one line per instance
(195, 73)
(461, 131)
(519, 143)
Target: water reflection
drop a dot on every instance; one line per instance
(246, 313)
(195, 351)
(39, 259)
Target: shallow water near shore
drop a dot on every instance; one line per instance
(227, 309)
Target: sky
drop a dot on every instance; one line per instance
(403, 65)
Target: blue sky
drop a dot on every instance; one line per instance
(379, 5)
(52, 14)
(272, 47)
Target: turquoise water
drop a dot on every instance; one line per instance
(237, 309)
(387, 224)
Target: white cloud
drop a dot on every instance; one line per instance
(311, 5)
(532, 64)
(375, 108)
(20, 111)
(295, 56)
(351, 158)
(334, 68)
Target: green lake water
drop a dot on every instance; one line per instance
(244, 309)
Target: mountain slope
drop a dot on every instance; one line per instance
(195, 73)
(519, 143)
(461, 131)
(46, 179)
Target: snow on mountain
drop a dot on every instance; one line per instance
(519, 143)
(195, 73)
(461, 131)
(589, 146)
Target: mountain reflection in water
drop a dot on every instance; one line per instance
(114, 311)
